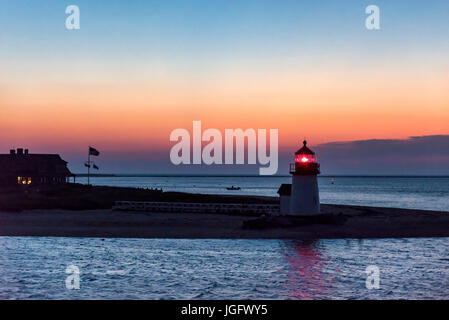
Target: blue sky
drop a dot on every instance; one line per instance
(214, 28)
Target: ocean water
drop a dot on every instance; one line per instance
(427, 193)
(35, 268)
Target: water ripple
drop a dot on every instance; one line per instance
(35, 268)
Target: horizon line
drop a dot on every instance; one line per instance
(137, 175)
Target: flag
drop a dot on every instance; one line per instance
(95, 167)
(93, 152)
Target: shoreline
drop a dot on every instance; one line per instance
(361, 223)
(76, 210)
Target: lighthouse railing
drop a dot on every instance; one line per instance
(305, 168)
(292, 167)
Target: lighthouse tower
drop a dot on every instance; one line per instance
(304, 199)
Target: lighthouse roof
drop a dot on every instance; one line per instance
(304, 149)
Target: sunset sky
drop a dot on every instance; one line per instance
(136, 70)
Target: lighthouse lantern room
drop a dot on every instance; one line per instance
(304, 198)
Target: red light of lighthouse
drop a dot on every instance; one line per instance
(305, 161)
(305, 158)
(305, 155)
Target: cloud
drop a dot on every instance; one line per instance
(418, 155)
(423, 155)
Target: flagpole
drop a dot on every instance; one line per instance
(88, 168)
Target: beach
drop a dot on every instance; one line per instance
(362, 222)
(76, 210)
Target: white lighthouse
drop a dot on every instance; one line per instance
(304, 196)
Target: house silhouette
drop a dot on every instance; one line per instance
(23, 168)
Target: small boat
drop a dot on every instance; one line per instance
(332, 181)
(233, 188)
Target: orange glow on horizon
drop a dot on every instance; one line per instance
(140, 113)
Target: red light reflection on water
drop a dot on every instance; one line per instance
(305, 276)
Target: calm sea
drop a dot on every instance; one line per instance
(35, 267)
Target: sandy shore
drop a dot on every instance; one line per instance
(363, 222)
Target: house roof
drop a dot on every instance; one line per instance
(285, 189)
(40, 164)
(304, 149)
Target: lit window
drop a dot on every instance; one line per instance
(24, 180)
